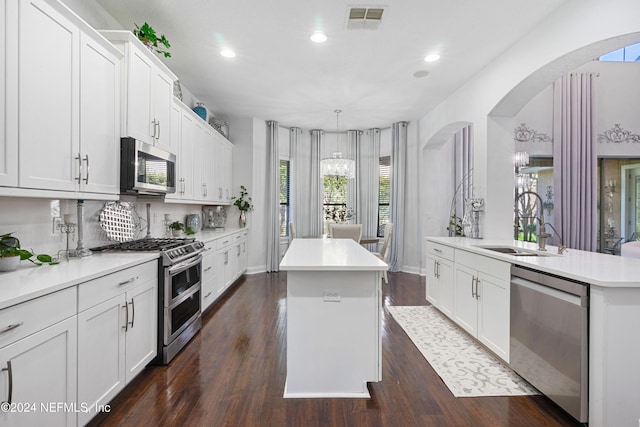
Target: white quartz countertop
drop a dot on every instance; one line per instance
(591, 267)
(329, 255)
(209, 234)
(30, 281)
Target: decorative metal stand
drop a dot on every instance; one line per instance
(67, 228)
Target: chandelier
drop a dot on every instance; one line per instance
(336, 165)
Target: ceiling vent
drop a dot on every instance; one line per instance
(364, 17)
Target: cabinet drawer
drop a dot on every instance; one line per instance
(487, 265)
(103, 288)
(225, 241)
(440, 250)
(18, 321)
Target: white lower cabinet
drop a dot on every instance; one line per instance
(37, 363)
(209, 290)
(439, 283)
(481, 299)
(117, 333)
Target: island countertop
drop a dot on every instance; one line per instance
(595, 268)
(329, 255)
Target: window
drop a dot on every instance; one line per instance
(284, 198)
(384, 194)
(334, 199)
(629, 53)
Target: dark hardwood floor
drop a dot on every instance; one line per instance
(233, 374)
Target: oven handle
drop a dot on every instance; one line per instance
(185, 265)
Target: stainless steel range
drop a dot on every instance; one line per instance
(180, 272)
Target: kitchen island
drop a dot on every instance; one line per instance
(613, 309)
(333, 318)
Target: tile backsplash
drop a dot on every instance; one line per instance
(34, 220)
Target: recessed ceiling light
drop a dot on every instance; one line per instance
(318, 37)
(432, 57)
(420, 73)
(227, 53)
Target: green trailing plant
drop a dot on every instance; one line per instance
(10, 246)
(455, 226)
(190, 231)
(244, 202)
(176, 225)
(148, 36)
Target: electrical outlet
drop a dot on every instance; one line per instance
(56, 221)
(331, 296)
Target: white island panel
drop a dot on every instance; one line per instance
(333, 318)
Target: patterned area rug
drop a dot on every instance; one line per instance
(465, 367)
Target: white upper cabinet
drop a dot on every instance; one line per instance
(62, 104)
(147, 91)
(8, 143)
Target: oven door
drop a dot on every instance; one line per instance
(180, 279)
(181, 314)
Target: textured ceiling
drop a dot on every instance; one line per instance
(279, 74)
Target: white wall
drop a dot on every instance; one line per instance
(568, 38)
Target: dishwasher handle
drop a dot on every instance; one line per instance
(581, 301)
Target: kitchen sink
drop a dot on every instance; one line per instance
(510, 250)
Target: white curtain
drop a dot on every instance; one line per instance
(396, 209)
(305, 183)
(367, 182)
(272, 196)
(575, 162)
(352, 149)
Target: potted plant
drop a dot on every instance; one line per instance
(176, 228)
(148, 36)
(11, 254)
(243, 203)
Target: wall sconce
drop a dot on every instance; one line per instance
(610, 188)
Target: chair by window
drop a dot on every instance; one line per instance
(384, 251)
(346, 231)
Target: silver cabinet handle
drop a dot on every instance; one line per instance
(208, 295)
(437, 250)
(133, 279)
(473, 292)
(225, 242)
(438, 263)
(226, 257)
(86, 159)
(158, 134)
(207, 269)
(477, 283)
(153, 129)
(79, 159)
(133, 313)
(126, 321)
(238, 250)
(206, 190)
(220, 192)
(11, 327)
(10, 373)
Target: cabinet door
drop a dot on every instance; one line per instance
(465, 310)
(244, 258)
(494, 315)
(101, 353)
(42, 371)
(141, 336)
(48, 98)
(209, 283)
(187, 153)
(140, 80)
(100, 124)
(445, 281)
(221, 266)
(176, 114)
(208, 162)
(8, 92)
(162, 101)
(227, 168)
(432, 286)
(199, 188)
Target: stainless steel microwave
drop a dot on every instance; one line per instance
(145, 169)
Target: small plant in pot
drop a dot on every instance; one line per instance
(148, 36)
(11, 253)
(176, 228)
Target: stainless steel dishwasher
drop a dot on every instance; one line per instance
(550, 337)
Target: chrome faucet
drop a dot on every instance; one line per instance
(542, 234)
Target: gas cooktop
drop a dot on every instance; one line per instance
(173, 249)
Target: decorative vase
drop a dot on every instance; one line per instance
(9, 263)
(243, 219)
(201, 110)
